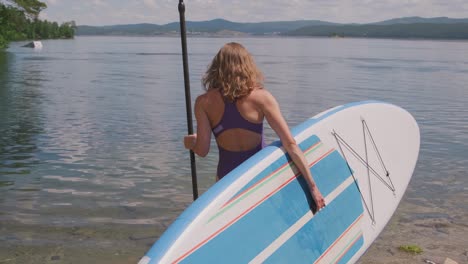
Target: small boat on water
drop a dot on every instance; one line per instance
(34, 45)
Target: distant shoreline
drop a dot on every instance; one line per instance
(274, 36)
(400, 28)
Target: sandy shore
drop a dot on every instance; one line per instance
(439, 235)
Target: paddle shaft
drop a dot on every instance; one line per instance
(188, 104)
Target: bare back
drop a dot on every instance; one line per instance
(235, 139)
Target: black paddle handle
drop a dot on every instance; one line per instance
(188, 103)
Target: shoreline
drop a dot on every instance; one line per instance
(273, 37)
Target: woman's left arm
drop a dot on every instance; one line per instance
(199, 143)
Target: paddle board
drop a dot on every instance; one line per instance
(361, 155)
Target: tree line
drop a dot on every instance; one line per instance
(19, 21)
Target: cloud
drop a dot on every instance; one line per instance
(150, 3)
(100, 12)
(99, 3)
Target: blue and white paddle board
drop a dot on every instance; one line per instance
(361, 155)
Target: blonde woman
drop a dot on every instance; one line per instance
(233, 109)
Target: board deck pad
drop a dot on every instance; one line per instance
(262, 212)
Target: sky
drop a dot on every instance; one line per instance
(112, 12)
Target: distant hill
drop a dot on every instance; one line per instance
(253, 28)
(135, 29)
(419, 20)
(407, 31)
(406, 27)
(211, 26)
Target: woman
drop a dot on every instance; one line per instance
(233, 108)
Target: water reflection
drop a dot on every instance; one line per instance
(20, 120)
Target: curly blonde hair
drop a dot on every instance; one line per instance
(233, 72)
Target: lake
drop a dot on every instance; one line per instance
(92, 165)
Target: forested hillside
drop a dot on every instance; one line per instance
(398, 31)
(19, 21)
(405, 27)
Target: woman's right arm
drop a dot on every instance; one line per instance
(199, 143)
(272, 112)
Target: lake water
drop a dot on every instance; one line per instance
(92, 166)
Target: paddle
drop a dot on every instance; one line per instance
(188, 105)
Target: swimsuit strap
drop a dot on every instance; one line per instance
(232, 118)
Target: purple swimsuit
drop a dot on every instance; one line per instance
(232, 118)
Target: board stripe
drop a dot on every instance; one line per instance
(310, 150)
(280, 158)
(268, 251)
(270, 177)
(319, 234)
(338, 240)
(350, 244)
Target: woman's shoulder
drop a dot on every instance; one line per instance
(261, 95)
(207, 97)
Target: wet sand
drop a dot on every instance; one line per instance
(103, 244)
(439, 235)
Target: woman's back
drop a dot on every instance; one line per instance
(241, 120)
(237, 126)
